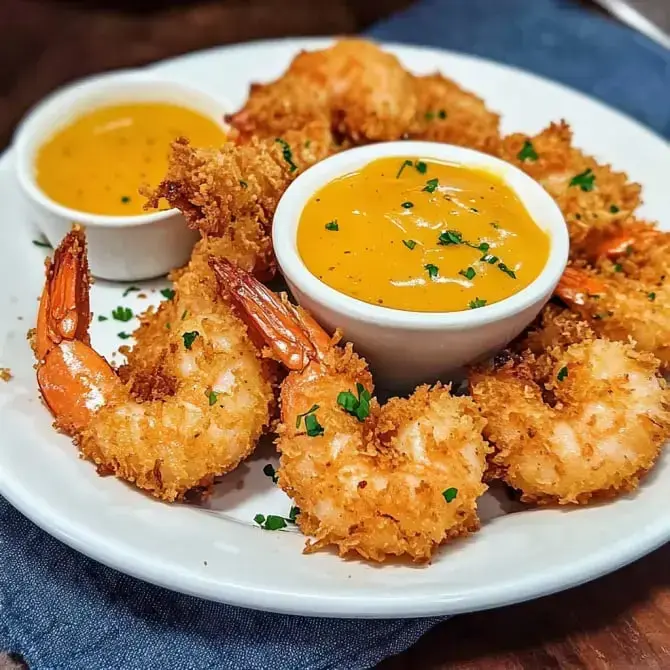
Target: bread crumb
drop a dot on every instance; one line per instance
(5, 374)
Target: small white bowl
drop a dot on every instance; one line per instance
(407, 348)
(122, 248)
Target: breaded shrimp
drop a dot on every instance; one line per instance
(592, 196)
(361, 91)
(574, 423)
(377, 481)
(447, 113)
(190, 411)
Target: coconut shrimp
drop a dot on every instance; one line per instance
(192, 410)
(591, 195)
(584, 418)
(362, 92)
(378, 481)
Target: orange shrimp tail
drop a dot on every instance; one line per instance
(576, 285)
(64, 311)
(621, 243)
(292, 335)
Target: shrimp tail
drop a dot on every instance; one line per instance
(292, 335)
(73, 379)
(576, 285)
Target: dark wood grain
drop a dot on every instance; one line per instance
(620, 621)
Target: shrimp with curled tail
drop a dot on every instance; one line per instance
(378, 481)
(190, 410)
(582, 418)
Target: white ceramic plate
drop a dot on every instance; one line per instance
(218, 553)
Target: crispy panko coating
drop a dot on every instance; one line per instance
(447, 113)
(574, 423)
(187, 409)
(361, 91)
(376, 481)
(592, 196)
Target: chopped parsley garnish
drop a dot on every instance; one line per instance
(407, 205)
(243, 184)
(312, 425)
(651, 296)
(450, 494)
(293, 514)
(122, 314)
(41, 243)
(312, 409)
(168, 293)
(270, 472)
(614, 209)
(358, 407)
(476, 303)
(270, 522)
(211, 396)
(123, 336)
(125, 199)
(527, 152)
(442, 114)
(405, 163)
(410, 244)
(491, 260)
(130, 289)
(184, 314)
(585, 180)
(189, 338)
(618, 267)
(432, 270)
(431, 185)
(287, 154)
(506, 270)
(421, 167)
(468, 274)
(482, 246)
(495, 225)
(450, 237)
(102, 318)
(429, 116)
(562, 373)
(168, 326)
(332, 225)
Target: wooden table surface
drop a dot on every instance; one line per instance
(619, 621)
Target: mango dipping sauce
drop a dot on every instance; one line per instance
(423, 236)
(97, 163)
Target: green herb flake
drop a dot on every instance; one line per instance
(259, 519)
(491, 260)
(243, 184)
(429, 116)
(42, 243)
(585, 180)
(562, 373)
(311, 410)
(102, 318)
(273, 522)
(442, 114)
(407, 205)
(189, 338)
(614, 209)
(332, 225)
(123, 336)
(287, 154)
(468, 274)
(431, 185)
(483, 247)
(421, 167)
(168, 293)
(406, 163)
(410, 244)
(651, 296)
(356, 406)
(450, 237)
(168, 326)
(618, 267)
(476, 303)
(122, 314)
(131, 289)
(312, 425)
(293, 514)
(506, 270)
(125, 199)
(270, 472)
(450, 494)
(432, 270)
(212, 397)
(184, 314)
(495, 225)
(527, 152)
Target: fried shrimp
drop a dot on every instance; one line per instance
(447, 113)
(378, 481)
(191, 410)
(361, 91)
(592, 196)
(575, 422)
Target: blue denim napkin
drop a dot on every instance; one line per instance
(61, 610)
